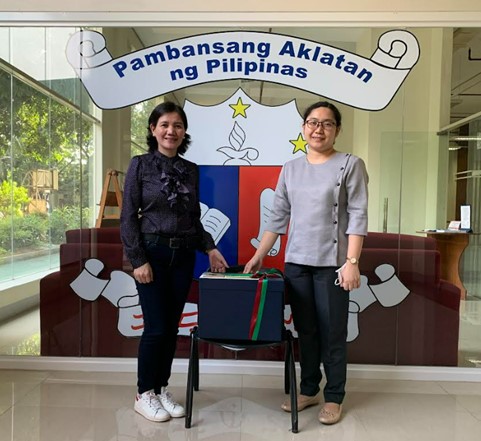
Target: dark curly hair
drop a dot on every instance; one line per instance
(160, 110)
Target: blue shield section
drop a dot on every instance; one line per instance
(219, 191)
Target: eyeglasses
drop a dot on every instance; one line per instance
(326, 125)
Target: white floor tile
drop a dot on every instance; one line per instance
(59, 406)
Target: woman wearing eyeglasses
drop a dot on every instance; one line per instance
(321, 201)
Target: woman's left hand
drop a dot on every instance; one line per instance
(216, 261)
(351, 277)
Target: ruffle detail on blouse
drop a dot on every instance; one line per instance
(173, 176)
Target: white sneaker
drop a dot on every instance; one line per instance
(174, 409)
(150, 407)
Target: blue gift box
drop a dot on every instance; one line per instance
(239, 307)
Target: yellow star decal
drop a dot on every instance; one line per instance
(299, 144)
(239, 108)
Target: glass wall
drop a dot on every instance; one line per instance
(465, 172)
(409, 311)
(467, 152)
(46, 151)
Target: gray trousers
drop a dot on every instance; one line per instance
(320, 311)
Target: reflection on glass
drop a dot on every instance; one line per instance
(47, 158)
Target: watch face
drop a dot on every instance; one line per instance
(353, 260)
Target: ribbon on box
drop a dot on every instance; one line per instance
(260, 300)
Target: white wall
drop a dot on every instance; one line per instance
(245, 5)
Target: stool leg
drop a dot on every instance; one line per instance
(293, 387)
(190, 382)
(287, 367)
(196, 363)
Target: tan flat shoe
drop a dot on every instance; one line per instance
(330, 416)
(303, 401)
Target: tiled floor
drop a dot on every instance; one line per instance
(80, 406)
(75, 406)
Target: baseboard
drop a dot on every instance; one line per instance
(18, 298)
(240, 367)
(19, 308)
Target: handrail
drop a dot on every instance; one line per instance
(459, 123)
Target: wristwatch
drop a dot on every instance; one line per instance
(352, 260)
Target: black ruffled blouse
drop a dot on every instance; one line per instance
(161, 196)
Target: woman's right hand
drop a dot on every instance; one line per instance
(253, 265)
(267, 242)
(144, 274)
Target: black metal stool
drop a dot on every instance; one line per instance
(290, 382)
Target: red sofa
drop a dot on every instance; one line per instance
(70, 325)
(422, 330)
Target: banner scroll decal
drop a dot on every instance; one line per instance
(324, 70)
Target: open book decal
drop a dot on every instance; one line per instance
(214, 222)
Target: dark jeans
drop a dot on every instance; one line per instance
(320, 311)
(162, 303)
